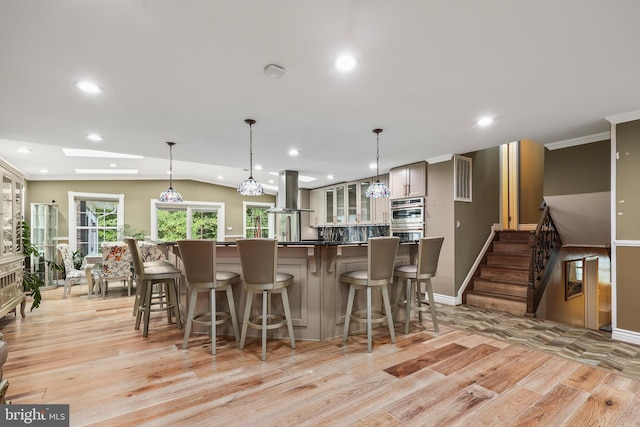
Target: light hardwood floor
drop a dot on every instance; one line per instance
(86, 353)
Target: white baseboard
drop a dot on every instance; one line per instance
(447, 300)
(626, 336)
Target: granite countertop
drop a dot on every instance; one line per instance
(302, 243)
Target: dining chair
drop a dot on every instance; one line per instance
(415, 274)
(199, 260)
(381, 255)
(72, 275)
(259, 261)
(158, 273)
(116, 265)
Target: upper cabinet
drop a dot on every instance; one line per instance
(358, 204)
(380, 206)
(408, 181)
(334, 205)
(316, 204)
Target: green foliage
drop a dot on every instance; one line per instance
(172, 225)
(257, 217)
(30, 281)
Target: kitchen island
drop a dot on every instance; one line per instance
(317, 298)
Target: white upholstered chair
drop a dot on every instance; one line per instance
(72, 275)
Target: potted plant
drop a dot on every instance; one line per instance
(31, 281)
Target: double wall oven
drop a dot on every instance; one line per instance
(408, 218)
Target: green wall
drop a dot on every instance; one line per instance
(137, 197)
(576, 170)
(477, 217)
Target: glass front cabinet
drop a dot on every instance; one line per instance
(44, 236)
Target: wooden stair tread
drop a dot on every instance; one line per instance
(497, 295)
(503, 282)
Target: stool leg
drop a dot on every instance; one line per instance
(369, 327)
(418, 297)
(434, 316)
(143, 297)
(212, 301)
(245, 322)
(192, 306)
(147, 310)
(287, 312)
(407, 305)
(387, 307)
(347, 317)
(232, 312)
(176, 304)
(265, 312)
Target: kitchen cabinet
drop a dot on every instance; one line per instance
(381, 206)
(358, 204)
(408, 181)
(317, 218)
(335, 202)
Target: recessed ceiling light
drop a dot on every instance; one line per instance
(74, 152)
(345, 63)
(304, 178)
(108, 171)
(258, 167)
(94, 137)
(485, 121)
(372, 166)
(330, 176)
(44, 170)
(270, 181)
(293, 152)
(113, 165)
(220, 177)
(23, 150)
(88, 87)
(274, 173)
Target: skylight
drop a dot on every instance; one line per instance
(78, 152)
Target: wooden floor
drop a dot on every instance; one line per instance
(86, 353)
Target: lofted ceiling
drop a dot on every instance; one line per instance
(191, 71)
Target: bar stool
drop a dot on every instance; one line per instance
(423, 271)
(259, 259)
(161, 273)
(199, 259)
(381, 255)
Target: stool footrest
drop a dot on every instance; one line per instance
(377, 316)
(255, 322)
(205, 318)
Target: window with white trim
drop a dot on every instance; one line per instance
(171, 221)
(258, 222)
(94, 218)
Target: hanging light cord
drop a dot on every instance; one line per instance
(250, 150)
(377, 132)
(171, 164)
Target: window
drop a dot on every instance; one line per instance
(187, 220)
(257, 221)
(462, 179)
(94, 218)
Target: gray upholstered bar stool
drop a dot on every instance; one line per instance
(199, 259)
(381, 255)
(421, 272)
(259, 259)
(160, 273)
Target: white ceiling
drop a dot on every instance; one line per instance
(190, 71)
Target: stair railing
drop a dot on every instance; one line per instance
(544, 243)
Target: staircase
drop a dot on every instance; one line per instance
(500, 282)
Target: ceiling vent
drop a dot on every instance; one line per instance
(274, 71)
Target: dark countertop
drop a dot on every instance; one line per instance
(303, 243)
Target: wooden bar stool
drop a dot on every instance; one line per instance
(161, 273)
(381, 255)
(423, 271)
(199, 259)
(259, 259)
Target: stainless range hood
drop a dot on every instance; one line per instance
(287, 211)
(288, 193)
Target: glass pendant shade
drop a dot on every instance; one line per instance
(170, 195)
(377, 189)
(250, 187)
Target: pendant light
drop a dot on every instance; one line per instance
(250, 187)
(377, 189)
(170, 195)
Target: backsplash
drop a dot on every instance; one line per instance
(352, 233)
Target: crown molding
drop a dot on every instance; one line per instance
(624, 117)
(439, 159)
(578, 141)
